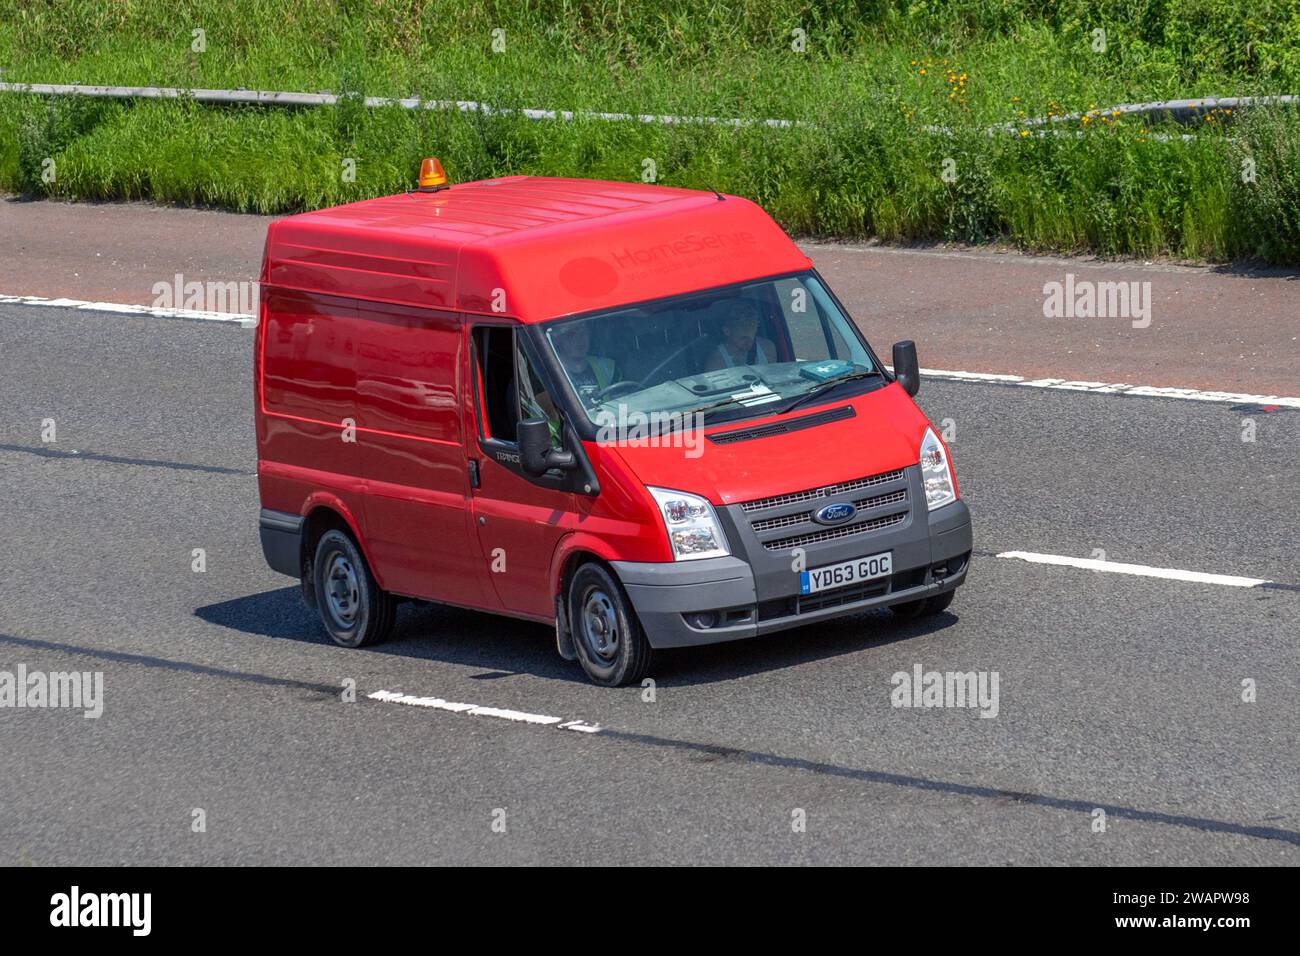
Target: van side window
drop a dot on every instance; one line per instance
(511, 388)
(807, 313)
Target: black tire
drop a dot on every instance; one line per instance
(925, 607)
(612, 648)
(353, 608)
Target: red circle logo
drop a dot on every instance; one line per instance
(588, 277)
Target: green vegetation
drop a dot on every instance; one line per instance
(871, 85)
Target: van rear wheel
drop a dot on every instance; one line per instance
(611, 646)
(353, 608)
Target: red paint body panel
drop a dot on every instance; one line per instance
(883, 435)
(534, 249)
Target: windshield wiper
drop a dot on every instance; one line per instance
(822, 386)
(704, 409)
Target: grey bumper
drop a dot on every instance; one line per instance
(281, 534)
(667, 596)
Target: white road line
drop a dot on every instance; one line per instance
(1118, 388)
(232, 318)
(1113, 388)
(970, 376)
(1142, 570)
(477, 710)
(1095, 388)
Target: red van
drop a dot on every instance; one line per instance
(633, 412)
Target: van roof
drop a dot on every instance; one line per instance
(529, 247)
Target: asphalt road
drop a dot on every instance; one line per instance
(221, 693)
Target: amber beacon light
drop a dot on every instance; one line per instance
(432, 176)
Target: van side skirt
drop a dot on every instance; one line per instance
(281, 534)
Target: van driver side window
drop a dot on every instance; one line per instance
(511, 389)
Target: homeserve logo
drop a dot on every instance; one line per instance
(946, 689)
(689, 244)
(77, 690)
(74, 909)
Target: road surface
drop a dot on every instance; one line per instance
(1117, 692)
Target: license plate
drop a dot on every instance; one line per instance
(846, 573)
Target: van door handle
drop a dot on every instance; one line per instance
(473, 473)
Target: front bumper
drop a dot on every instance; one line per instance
(674, 599)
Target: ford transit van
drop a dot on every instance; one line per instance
(631, 412)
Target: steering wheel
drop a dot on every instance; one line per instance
(671, 359)
(618, 388)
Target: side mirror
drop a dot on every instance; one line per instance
(536, 456)
(906, 368)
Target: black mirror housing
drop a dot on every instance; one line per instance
(536, 456)
(907, 369)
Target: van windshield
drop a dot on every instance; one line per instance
(740, 350)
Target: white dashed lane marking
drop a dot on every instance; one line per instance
(1141, 570)
(1117, 388)
(229, 318)
(477, 710)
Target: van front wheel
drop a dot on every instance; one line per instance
(353, 608)
(612, 648)
(925, 607)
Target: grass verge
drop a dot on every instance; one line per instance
(870, 82)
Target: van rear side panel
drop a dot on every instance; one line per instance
(360, 409)
(418, 524)
(307, 396)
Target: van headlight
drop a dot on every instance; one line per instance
(693, 529)
(936, 472)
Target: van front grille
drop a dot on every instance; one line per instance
(830, 534)
(826, 491)
(806, 517)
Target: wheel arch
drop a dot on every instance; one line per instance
(572, 552)
(323, 512)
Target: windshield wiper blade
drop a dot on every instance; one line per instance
(703, 409)
(822, 386)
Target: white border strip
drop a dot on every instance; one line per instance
(1142, 570)
(1117, 388)
(477, 710)
(231, 318)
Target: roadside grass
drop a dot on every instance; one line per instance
(871, 86)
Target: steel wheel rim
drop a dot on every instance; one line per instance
(342, 589)
(600, 626)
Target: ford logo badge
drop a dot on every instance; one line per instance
(835, 514)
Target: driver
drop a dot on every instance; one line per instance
(741, 344)
(590, 374)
